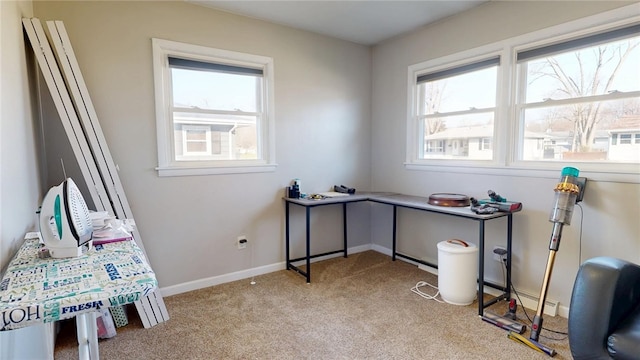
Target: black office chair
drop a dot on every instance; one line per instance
(604, 317)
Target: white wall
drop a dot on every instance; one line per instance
(189, 225)
(611, 209)
(19, 176)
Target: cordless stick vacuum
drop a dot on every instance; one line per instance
(567, 191)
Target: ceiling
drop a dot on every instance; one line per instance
(366, 22)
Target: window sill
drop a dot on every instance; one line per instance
(196, 171)
(528, 171)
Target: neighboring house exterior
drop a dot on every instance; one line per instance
(207, 136)
(624, 139)
(620, 143)
(558, 144)
(473, 142)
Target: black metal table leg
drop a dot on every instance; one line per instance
(481, 268)
(308, 244)
(509, 244)
(344, 228)
(393, 241)
(286, 231)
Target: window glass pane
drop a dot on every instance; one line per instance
(459, 137)
(215, 91)
(231, 137)
(595, 70)
(199, 146)
(592, 131)
(193, 135)
(475, 89)
(245, 142)
(216, 142)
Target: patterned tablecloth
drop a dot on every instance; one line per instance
(35, 290)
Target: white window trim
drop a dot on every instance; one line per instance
(413, 159)
(506, 128)
(164, 127)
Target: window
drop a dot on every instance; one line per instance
(625, 138)
(214, 110)
(435, 146)
(456, 106)
(577, 92)
(484, 144)
(196, 141)
(563, 95)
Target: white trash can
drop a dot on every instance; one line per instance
(457, 271)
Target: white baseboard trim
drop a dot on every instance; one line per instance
(530, 301)
(221, 279)
(245, 274)
(381, 249)
(552, 308)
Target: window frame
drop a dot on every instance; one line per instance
(507, 126)
(168, 165)
(414, 126)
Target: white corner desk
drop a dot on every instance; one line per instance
(409, 202)
(35, 290)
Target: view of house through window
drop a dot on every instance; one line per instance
(580, 99)
(216, 110)
(532, 99)
(456, 109)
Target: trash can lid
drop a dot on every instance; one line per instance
(457, 246)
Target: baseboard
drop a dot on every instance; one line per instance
(221, 279)
(552, 307)
(530, 301)
(245, 274)
(381, 249)
(428, 269)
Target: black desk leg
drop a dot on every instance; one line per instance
(286, 232)
(344, 227)
(308, 244)
(481, 269)
(393, 245)
(509, 242)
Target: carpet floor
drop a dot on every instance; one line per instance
(360, 307)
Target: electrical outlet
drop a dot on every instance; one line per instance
(499, 253)
(242, 242)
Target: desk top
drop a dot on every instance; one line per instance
(364, 196)
(35, 290)
(409, 201)
(422, 203)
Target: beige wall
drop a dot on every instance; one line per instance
(19, 176)
(611, 224)
(189, 225)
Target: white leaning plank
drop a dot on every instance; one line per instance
(153, 306)
(69, 119)
(66, 112)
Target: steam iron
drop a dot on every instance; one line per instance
(65, 225)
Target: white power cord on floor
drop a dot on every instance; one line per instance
(416, 289)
